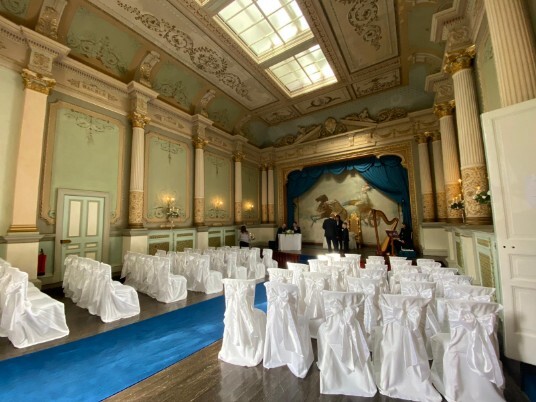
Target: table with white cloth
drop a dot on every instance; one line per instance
(289, 242)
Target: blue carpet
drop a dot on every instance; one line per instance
(97, 367)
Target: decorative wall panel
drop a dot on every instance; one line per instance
(218, 188)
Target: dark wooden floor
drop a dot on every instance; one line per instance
(202, 377)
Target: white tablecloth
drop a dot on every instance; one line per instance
(290, 242)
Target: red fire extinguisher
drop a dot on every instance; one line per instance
(41, 263)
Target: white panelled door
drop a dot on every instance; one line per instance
(510, 141)
(81, 228)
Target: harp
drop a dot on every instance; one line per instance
(381, 247)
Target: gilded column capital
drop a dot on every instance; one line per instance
(435, 136)
(270, 166)
(444, 109)
(263, 167)
(421, 138)
(199, 143)
(238, 156)
(37, 82)
(459, 60)
(139, 120)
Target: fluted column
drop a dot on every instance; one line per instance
(135, 204)
(139, 97)
(514, 49)
(427, 193)
(472, 160)
(199, 180)
(271, 210)
(264, 194)
(439, 178)
(451, 163)
(238, 157)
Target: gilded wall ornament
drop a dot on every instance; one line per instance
(322, 101)
(144, 71)
(198, 142)
(48, 22)
(135, 209)
(459, 60)
(37, 82)
(238, 156)
(139, 120)
(443, 109)
(92, 125)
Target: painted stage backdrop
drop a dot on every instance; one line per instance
(344, 194)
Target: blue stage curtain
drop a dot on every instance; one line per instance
(385, 174)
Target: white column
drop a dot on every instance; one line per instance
(439, 177)
(472, 160)
(137, 163)
(238, 157)
(451, 163)
(271, 210)
(199, 183)
(514, 51)
(264, 194)
(427, 193)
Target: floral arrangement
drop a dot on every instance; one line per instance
(289, 231)
(482, 197)
(251, 236)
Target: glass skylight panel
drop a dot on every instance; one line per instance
(265, 25)
(306, 69)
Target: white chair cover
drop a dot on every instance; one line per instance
(400, 360)
(245, 326)
(315, 283)
(160, 253)
(117, 301)
(372, 316)
(396, 258)
(343, 354)
(168, 287)
(288, 341)
(427, 291)
(205, 280)
(351, 265)
(27, 322)
(337, 277)
(315, 263)
(469, 292)
(447, 280)
(280, 275)
(267, 260)
(466, 364)
(297, 270)
(401, 263)
(406, 275)
(376, 274)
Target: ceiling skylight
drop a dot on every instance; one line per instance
(273, 30)
(306, 70)
(265, 25)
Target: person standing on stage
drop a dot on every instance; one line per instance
(339, 232)
(330, 232)
(345, 238)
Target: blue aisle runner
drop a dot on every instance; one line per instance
(97, 367)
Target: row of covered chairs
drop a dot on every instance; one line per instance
(465, 360)
(89, 284)
(27, 315)
(152, 275)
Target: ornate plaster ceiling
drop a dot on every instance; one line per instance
(380, 51)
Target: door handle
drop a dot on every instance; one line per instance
(65, 241)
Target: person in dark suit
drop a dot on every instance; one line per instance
(280, 230)
(295, 227)
(330, 232)
(405, 239)
(345, 238)
(339, 232)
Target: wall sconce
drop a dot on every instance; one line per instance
(248, 209)
(216, 211)
(169, 210)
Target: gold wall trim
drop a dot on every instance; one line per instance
(49, 158)
(166, 236)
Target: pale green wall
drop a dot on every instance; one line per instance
(218, 186)
(486, 76)
(250, 192)
(115, 256)
(86, 150)
(11, 100)
(168, 172)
